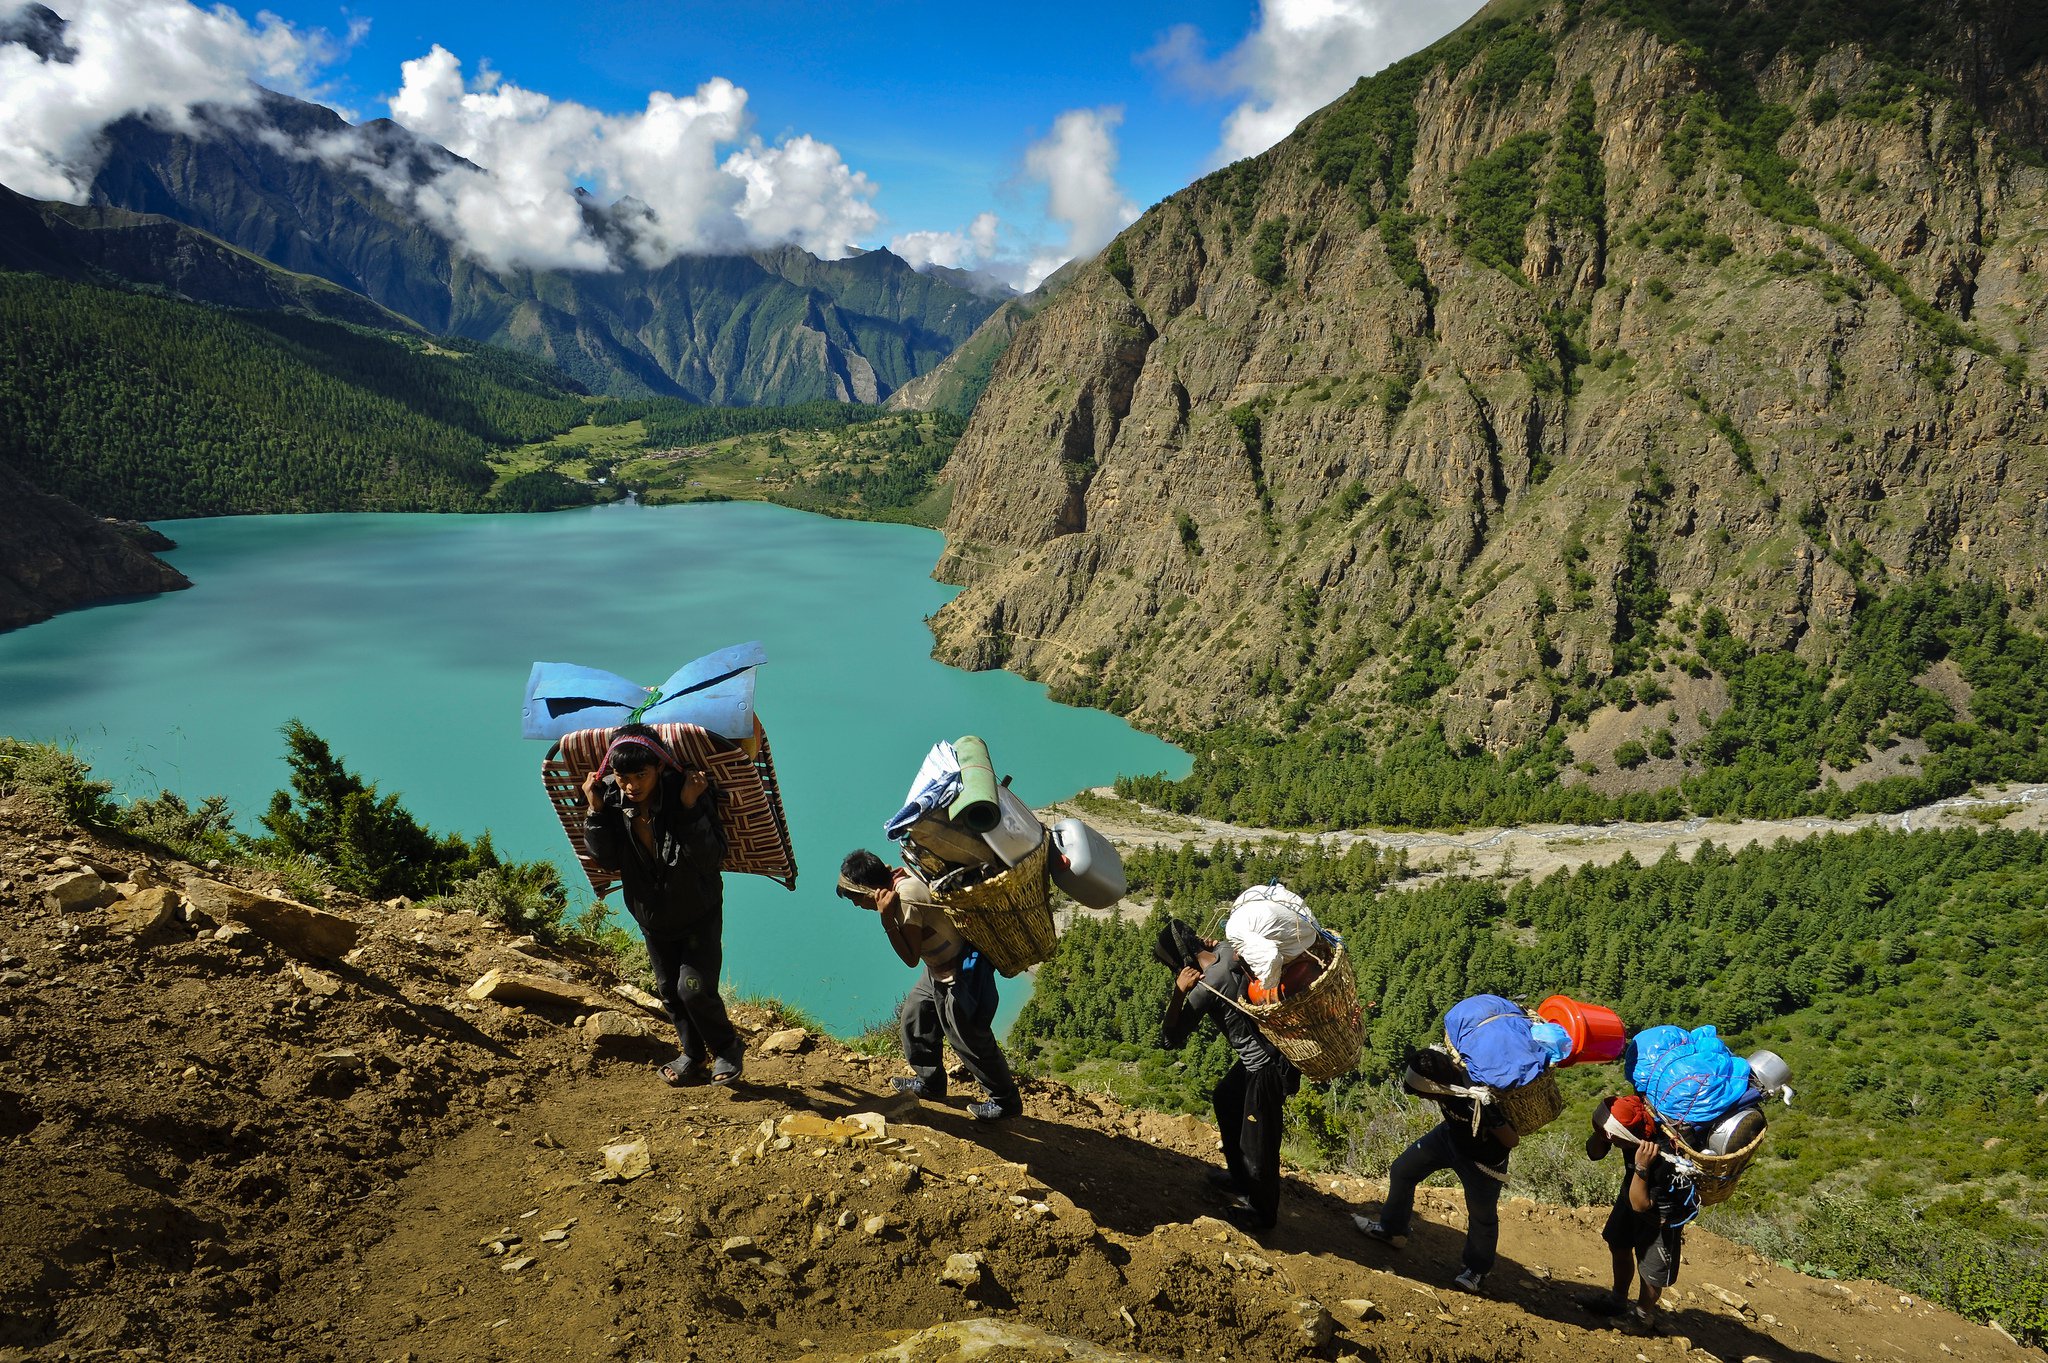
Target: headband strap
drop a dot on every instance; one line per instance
(661, 754)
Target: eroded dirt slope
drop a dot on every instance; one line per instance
(227, 1134)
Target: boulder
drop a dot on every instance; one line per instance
(616, 1034)
(625, 1162)
(296, 928)
(641, 999)
(142, 913)
(789, 1041)
(520, 989)
(77, 892)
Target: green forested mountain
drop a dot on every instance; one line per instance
(147, 407)
(1900, 975)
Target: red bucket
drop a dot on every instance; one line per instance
(1597, 1033)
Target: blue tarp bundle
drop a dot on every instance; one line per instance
(1492, 1035)
(715, 692)
(1689, 1077)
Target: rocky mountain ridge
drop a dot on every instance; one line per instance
(293, 184)
(1505, 367)
(235, 1125)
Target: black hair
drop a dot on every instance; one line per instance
(863, 867)
(633, 757)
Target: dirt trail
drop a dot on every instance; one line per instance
(216, 1144)
(1536, 850)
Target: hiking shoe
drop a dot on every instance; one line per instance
(1374, 1230)
(989, 1110)
(1646, 1321)
(913, 1087)
(1470, 1281)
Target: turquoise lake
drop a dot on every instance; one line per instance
(405, 641)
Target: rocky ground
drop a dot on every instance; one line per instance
(235, 1128)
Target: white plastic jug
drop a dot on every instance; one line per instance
(1086, 865)
(1019, 832)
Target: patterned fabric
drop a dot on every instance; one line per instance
(749, 801)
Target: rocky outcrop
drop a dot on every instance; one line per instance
(54, 556)
(1647, 326)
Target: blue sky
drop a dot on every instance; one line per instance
(1003, 138)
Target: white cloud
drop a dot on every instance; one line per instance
(1077, 163)
(1301, 55)
(685, 174)
(155, 59)
(663, 164)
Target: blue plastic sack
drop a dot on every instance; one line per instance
(1492, 1034)
(1646, 1048)
(714, 692)
(1696, 1082)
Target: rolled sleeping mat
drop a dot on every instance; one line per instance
(976, 808)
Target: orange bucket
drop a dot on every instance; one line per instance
(1597, 1033)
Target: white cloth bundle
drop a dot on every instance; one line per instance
(1269, 925)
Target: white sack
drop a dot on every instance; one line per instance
(1269, 926)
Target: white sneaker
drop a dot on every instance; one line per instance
(1468, 1281)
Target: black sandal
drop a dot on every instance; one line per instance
(682, 1072)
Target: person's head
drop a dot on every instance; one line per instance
(861, 876)
(635, 759)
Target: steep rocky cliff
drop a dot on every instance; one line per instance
(1476, 390)
(53, 556)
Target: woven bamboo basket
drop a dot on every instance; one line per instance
(1532, 1106)
(1528, 1107)
(1008, 916)
(1715, 1182)
(1320, 1030)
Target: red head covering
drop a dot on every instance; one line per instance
(1634, 1114)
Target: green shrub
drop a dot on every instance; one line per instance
(59, 780)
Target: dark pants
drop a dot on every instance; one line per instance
(962, 1012)
(1654, 1245)
(686, 982)
(1250, 1118)
(1438, 1150)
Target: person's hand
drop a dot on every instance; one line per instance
(1188, 978)
(1646, 1155)
(591, 799)
(695, 783)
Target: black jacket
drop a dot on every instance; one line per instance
(677, 890)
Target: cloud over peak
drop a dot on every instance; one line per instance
(1301, 55)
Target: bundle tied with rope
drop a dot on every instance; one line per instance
(1315, 1022)
(1528, 1105)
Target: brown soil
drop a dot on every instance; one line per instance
(211, 1150)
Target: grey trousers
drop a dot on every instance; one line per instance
(963, 1013)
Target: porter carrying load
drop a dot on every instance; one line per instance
(1505, 1057)
(1303, 992)
(1707, 1101)
(982, 851)
(724, 739)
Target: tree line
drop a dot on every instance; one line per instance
(146, 407)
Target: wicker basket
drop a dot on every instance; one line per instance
(1717, 1176)
(1008, 916)
(1528, 1107)
(1532, 1106)
(1320, 1030)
